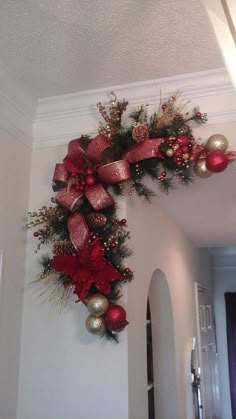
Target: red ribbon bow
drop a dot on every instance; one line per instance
(115, 172)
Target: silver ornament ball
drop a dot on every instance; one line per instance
(201, 170)
(95, 325)
(217, 142)
(97, 305)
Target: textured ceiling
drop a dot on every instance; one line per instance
(62, 46)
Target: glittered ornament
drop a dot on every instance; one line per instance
(169, 152)
(97, 305)
(217, 142)
(140, 132)
(175, 147)
(201, 170)
(95, 325)
(96, 219)
(90, 180)
(116, 318)
(182, 140)
(185, 149)
(186, 156)
(89, 171)
(217, 161)
(178, 153)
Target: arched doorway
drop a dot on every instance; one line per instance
(163, 342)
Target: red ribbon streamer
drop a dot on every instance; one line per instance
(78, 229)
(98, 197)
(60, 173)
(96, 147)
(69, 199)
(145, 150)
(75, 149)
(114, 172)
(198, 152)
(231, 156)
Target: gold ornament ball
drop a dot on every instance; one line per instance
(186, 156)
(175, 147)
(217, 142)
(97, 305)
(95, 325)
(201, 170)
(169, 152)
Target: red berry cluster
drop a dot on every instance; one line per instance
(180, 149)
(87, 179)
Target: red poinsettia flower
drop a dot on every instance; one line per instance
(88, 267)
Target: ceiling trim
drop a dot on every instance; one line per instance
(17, 108)
(223, 257)
(61, 118)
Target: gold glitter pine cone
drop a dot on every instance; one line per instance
(96, 219)
(140, 132)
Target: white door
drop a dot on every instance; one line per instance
(207, 354)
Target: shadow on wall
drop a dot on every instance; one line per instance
(164, 361)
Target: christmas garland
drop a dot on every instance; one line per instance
(87, 240)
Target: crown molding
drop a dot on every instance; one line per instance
(17, 108)
(60, 118)
(223, 257)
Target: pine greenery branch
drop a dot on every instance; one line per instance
(150, 167)
(111, 336)
(139, 115)
(121, 142)
(124, 252)
(115, 293)
(166, 185)
(187, 176)
(143, 191)
(45, 261)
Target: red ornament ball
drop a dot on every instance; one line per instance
(127, 270)
(198, 115)
(163, 174)
(178, 153)
(164, 106)
(115, 318)
(182, 140)
(185, 149)
(36, 234)
(90, 180)
(89, 171)
(113, 245)
(217, 161)
(123, 221)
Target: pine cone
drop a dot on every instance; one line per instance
(63, 246)
(140, 132)
(96, 219)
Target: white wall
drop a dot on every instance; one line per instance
(65, 372)
(224, 281)
(159, 244)
(14, 184)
